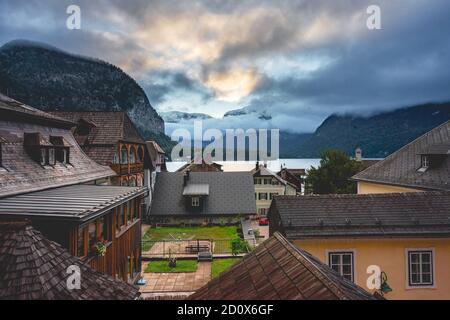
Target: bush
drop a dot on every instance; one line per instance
(239, 246)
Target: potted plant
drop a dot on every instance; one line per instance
(100, 248)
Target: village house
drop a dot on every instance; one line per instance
(267, 185)
(294, 176)
(201, 166)
(406, 235)
(421, 165)
(35, 268)
(46, 178)
(277, 270)
(202, 198)
(111, 139)
(157, 156)
(399, 221)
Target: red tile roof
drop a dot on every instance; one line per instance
(277, 270)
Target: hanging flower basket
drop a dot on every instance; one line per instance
(100, 249)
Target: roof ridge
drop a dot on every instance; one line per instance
(368, 195)
(310, 266)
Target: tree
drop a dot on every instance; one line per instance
(333, 174)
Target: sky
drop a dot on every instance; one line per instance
(296, 62)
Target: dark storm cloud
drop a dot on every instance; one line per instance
(196, 47)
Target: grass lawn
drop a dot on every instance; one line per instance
(163, 266)
(221, 265)
(190, 233)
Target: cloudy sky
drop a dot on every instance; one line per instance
(296, 61)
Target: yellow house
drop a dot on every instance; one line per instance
(421, 165)
(399, 241)
(268, 185)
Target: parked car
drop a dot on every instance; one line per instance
(263, 221)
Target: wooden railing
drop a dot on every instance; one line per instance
(128, 168)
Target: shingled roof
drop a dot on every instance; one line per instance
(108, 128)
(33, 267)
(401, 167)
(14, 109)
(415, 214)
(21, 173)
(230, 193)
(277, 270)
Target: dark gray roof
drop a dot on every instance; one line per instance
(277, 270)
(79, 202)
(400, 168)
(230, 193)
(394, 214)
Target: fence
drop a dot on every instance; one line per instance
(188, 248)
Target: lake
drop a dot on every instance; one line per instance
(274, 165)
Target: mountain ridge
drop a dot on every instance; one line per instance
(52, 79)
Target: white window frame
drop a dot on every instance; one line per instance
(43, 155)
(259, 196)
(195, 201)
(433, 269)
(343, 251)
(51, 156)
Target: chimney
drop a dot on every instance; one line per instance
(358, 154)
(257, 165)
(186, 177)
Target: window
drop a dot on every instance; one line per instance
(267, 181)
(133, 155)
(43, 158)
(263, 196)
(257, 181)
(120, 218)
(262, 212)
(140, 154)
(420, 268)
(342, 263)
(116, 158)
(51, 156)
(92, 232)
(80, 243)
(132, 182)
(424, 163)
(0, 155)
(124, 156)
(195, 201)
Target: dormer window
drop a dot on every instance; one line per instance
(195, 201)
(424, 163)
(433, 156)
(43, 159)
(61, 151)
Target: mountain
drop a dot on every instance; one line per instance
(261, 113)
(377, 136)
(179, 116)
(50, 79)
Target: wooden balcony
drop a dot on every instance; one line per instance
(121, 169)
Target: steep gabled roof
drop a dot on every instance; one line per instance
(415, 214)
(277, 270)
(109, 127)
(15, 109)
(35, 268)
(23, 174)
(401, 167)
(230, 193)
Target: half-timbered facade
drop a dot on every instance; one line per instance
(111, 139)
